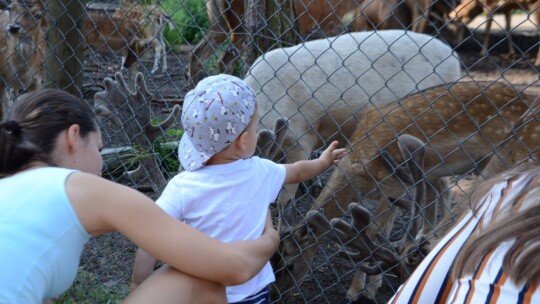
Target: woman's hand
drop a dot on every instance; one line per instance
(270, 230)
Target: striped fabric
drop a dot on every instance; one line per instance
(430, 282)
(262, 297)
(490, 284)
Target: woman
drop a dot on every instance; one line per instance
(491, 255)
(53, 201)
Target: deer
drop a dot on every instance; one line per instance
(154, 21)
(319, 87)
(314, 19)
(157, 22)
(23, 49)
(378, 15)
(7, 46)
(469, 9)
(520, 149)
(420, 11)
(129, 30)
(389, 14)
(459, 122)
(354, 241)
(130, 111)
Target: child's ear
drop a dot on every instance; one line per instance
(240, 141)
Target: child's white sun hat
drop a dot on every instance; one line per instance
(214, 114)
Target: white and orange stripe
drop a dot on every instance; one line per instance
(430, 282)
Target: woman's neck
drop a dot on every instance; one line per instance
(33, 165)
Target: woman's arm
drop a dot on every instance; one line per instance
(104, 206)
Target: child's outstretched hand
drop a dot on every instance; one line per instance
(303, 170)
(331, 154)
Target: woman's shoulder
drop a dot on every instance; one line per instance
(92, 182)
(45, 175)
(46, 170)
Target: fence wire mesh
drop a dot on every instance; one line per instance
(458, 89)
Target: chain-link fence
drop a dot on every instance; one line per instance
(421, 115)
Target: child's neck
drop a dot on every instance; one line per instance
(219, 161)
(224, 157)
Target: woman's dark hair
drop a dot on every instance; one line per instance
(31, 127)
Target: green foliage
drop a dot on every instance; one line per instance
(190, 19)
(166, 149)
(88, 289)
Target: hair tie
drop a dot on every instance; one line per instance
(12, 127)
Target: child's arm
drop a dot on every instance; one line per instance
(142, 268)
(307, 169)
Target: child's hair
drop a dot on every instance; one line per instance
(214, 114)
(31, 126)
(519, 222)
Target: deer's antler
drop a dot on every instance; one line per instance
(131, 112)
(412, 174)
(411, 171)
(413, 150)
(353, 237)
(269, 142)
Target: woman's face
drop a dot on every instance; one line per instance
(88, 158)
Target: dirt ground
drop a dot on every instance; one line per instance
(110, 258)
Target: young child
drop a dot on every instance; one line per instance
(225, 191)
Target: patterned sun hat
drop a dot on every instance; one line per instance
(214, 114)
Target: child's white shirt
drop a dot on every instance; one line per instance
(228, 202)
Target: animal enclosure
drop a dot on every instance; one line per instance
(325, 89)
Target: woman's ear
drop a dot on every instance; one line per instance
(73, 137)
